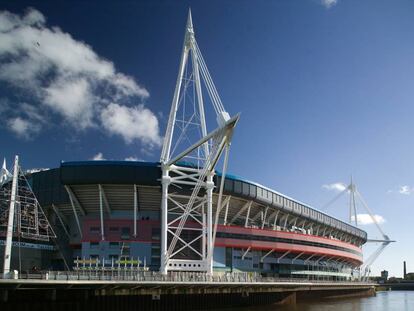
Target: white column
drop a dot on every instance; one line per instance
(166, 180)
(72, 203)
(101, 213)
(227, 212)
(203, 241)
(274, 222)
(10, 223)
(248, 215)
(135, 210)
(264, 217)
(210, 246)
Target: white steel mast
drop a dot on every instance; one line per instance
(354, 197)
(187, 216)
(10, 222)
(4, 173)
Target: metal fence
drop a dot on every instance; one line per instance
(157, 277)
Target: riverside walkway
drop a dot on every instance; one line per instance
(147, 290)
(190, 282)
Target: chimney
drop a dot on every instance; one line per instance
(405, 270)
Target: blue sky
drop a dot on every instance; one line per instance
(325, 90)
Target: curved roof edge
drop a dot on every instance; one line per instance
(238, 178)
(107, 162)
(155, 165)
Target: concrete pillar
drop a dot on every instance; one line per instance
(210, 246)
(166, 180)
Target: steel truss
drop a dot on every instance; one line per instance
(354, 197)
(187, 229)
(20, 212)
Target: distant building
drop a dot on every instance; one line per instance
(384, 275)
(404, 270)
(409, 276)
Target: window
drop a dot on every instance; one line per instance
(113, 257)
(229, 257)
(155, 254)
(228, 185)
(253, 191)
(246, 189)
(94, 244)
(113, 244)
(94, 230)
(125, 233)
(125, 248)
(155, 250)
(156, 234)
(238, 186)
(126, 251)
(113, 229)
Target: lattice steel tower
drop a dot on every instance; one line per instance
(20, 212)
(189, 156)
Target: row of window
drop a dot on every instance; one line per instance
(269, 197)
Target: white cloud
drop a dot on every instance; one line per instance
(328, 3)
(407, 190)
(73, 99)
(366, 219)
(34, 17)
(98, 157)
(132, 123)
(335, 186)
(22, 127)
(64, 76)
(132, 158)
(32, 113)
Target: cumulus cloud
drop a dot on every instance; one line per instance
(62, 76)
(98, 157)
(23, 128)
(23, 119)
(72, 99)
(335, 187)
(328, 3)
(366, 219)
(131, 123)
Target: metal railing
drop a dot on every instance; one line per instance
(178, 277)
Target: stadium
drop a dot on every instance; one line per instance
(179, 214)
(111, 210)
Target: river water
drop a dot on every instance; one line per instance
(384, 301)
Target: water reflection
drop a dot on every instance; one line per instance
(384, 301)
